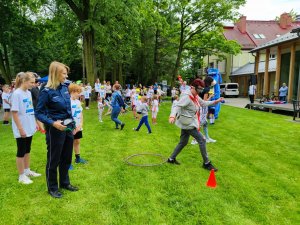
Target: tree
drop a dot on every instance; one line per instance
(197, 17)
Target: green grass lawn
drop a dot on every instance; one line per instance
(258, 181)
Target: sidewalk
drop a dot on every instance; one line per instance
(237, 102)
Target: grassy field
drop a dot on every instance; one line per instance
(258, 181)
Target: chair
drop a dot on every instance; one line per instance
(296, 106)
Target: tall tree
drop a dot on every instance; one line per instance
(196, 17)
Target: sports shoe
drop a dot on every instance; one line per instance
(23, 179)
(122, 126)
(212, 140)
(194, 142)
(173, 161)
(209, 166)
(71, 167)
(31, 173)
(87, 108)
(80, 160)
(135, 129)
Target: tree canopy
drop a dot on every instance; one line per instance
(131, 41)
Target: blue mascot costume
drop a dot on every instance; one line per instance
(215, 74)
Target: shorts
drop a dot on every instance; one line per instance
(211, 110)
(6, 110)
(78, 135)
(24, 146)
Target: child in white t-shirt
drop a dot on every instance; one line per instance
(154, 109)
(23, 124)
(6, 95)
(101, 105)
(86, 94)
(77, 115)
(102, 92)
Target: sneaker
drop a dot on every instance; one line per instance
(212, 140)
(23, 179)
(31, 173)
(71, 167)
(122, 126)
(101, 121)
(80, 160)
(87, 108)
(173, 161)
(135, 129)
(209, 166)
(194, 142)
(149, 132)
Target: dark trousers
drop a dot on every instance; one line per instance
(87, 102)
(142, 121)
(184, 139)
(251, 97)
(59, 154)
(282, 98)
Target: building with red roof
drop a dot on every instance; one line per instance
(250, 34)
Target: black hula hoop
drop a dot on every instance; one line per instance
(164, 160)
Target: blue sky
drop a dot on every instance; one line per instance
(268, 9)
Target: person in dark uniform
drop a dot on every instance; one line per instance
(54, 110)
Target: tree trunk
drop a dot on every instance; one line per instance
(156, 57)
(89, 55)
(177, 65)
(114, 73)
(102, 66)
(3, 69)
(120, 73)
(7, 65)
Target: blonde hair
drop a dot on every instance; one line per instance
(155, 97)
(144, 99)
(74, 88)
(54, 71)
(22, 77)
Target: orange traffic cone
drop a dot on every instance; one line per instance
(211, 182)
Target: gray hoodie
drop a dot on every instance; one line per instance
(143, 108)
(185, 111)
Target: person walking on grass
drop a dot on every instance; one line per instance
(6, 104)
(23, 124)
(187, 117)
(143, 109)
(54, 110)
(154, 109)
(118, 106)
(77, 115)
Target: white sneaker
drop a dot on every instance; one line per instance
(32, 174)
(194, 142)
(101, 121)
(23, 179)
(212, 140)
(87, 108)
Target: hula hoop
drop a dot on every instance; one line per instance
(164, 160)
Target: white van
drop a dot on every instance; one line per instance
(229, 89)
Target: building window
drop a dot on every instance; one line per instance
(259, 36)
(272, 56)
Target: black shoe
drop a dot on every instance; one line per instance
(209, 166)
(122, 126)
(70, 187)
(117, 127)
(173, 161)
(55, 194)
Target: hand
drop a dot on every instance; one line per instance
(171, 120)
(22, 133)
(57, 124)
(220, 99)
(122, 110)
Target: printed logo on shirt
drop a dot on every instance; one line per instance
(28, 106)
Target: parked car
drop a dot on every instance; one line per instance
(229, 89)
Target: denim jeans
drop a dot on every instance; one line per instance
(184, 138)
(114, 115)
(142, 121)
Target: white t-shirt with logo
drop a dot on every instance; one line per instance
(21, 102)
(76, 111)
(6, 96)
(102, 93)
(86, 94)
(97, 87)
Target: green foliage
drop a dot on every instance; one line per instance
(258, 177)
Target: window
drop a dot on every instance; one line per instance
(259, 36)
(272, 56)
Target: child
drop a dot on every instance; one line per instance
(77, 115)
(134, 101)
(154, 109)
(211, 109)
(23, 125)
(86, 97)
(6, 104)
(175, 101)
(100, 109)
(143, 110)
(173, 93)
(102, 92)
